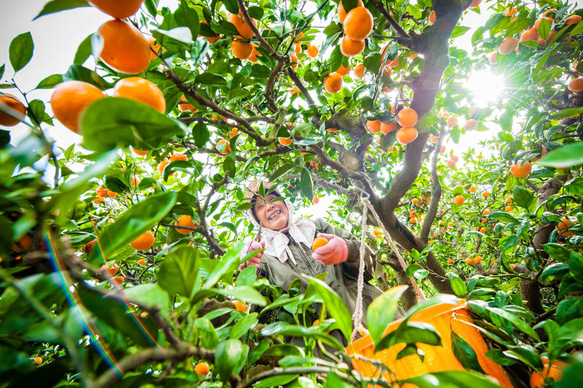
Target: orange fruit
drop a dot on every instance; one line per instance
(507, 45)
(101, 191)
(415, 201)
(510, 11)
(470, 124)
(184, 105)
(316, 200)
(510, 199)
(530, 34)
(118, 280)
(394, 62)
(459, 199)
(117, 9)
(562, 227)
(470, 261)
(342, 12)
(406, 135)
(185, 220)
(124, 47)
(475, 3)
(13, 103)
(333, 83)
(492, 57)
(241, 50)
(294, 60)
(451, 163)
(70, 99)
(343, 70)
(407, 117)
(554, 372)
(478, 259)
(485, 194)
(161, 166)
(111, 194)
(486, 212)
(388, 127)
(432, 138)
(254, 54)
(112, 270)
(312, 50)
(472, 189)
(573, 19)
(227, 146)
(139, 152)
(432, 17)
(202, 368)
(512, 265)
(332, 130)
(521, 171)
(240, 306)
(24, 242)
(97, 201)
(359, 71)
(452, 121)
(178, 156)
(319, 242)
(210, 39)
(142, 261)
(300, 36)
(576, 85)
(87, 248)
(153, 43)
(442, 150)
(143, 242)
(135, 181)
(373, 125)
(358, 23)
(38, 360)
(142, 90)
(508, 208)
(449, 261)
(350, 47)
(241, 25)
(286, 141)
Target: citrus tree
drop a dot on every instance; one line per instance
(119, 262)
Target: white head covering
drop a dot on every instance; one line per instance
(301, 230)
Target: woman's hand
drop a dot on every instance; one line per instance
(251, 246)
(335, 252)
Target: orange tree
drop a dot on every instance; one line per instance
(121, 265)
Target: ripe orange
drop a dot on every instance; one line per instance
(227, 147)
(432, 138)
(312, 50)
(562, 227)
(316, 200)
(510, 11)
(442, 150)
(118, 280)
(512, 265)
(530, 34)
(13, 103)
(97, 201)
(492, 57)
(359, 71)
(573, 19)
(210, 39)
(507, 45)
(432, 17)
(521, 171)
(143, 242)
(576, 85)
(124, 47)
(508, 208)
(139, 152)
(407, 117)
(286, 141)
(142, 90)
(470, 261)
(485, 194)
(70, 99)
(452, 121)
(373, 125)
(240, 306)
(298, 48)
(342, 12)
(486, 212)
(478, 259)
(135, 181)
(319, 242)
(24, 242)
(350, 47)
(555, 372)
(358, 23)
(406, 135)
(454, 158)
(241, 25)
(472, 189)
(388, 127)
(101, 191)
(415, 201)
(161, 166)
(87, 248)
(343, 70)
(117, 9)
(142, 261)
(459, 199)
(254, 54)
(470, 124)
(111, 194)
(38, 360)
(112, 270)
(510, 199)
(185, 220)
(294, 60)
(184, 105)
(202, 368)
(449, 261)
(178, 156)
(475, 3)
(333, 83)
(241, 50)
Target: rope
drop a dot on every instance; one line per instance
(402, 262)
(357, 315)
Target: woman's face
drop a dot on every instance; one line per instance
(271, 212)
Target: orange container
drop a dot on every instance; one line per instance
(444, 317)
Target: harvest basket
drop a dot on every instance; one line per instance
(444, 317)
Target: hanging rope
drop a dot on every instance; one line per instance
(357, 315)
(402, 262)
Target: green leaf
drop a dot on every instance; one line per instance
(21, 50)
(208, 78)
(280, 171)
(118, 122)
(243, 326)
(179, 271)
(229, 262)
(502, 216)
(410, 333)
(522, 197)
(50, 82)
(2, 69)
(450, 379)
(247, 276)
(464, 352)
(382, 311)
(181, 34)
(207, 333)
(553, 272)
(83, 51)
(566, 156)
(544, 28)
(136, 221)
(243, 293)
(60, 5)
(568, 309)
(517, 321)
(201, 134)
(276, 381)
(306, 184)
(230, 357)
(187, 17)
(458, 285)
(334, 305)
(150, 296)
(287, 329)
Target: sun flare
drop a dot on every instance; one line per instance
(485, 87)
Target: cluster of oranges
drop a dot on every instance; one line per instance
(241, 47)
